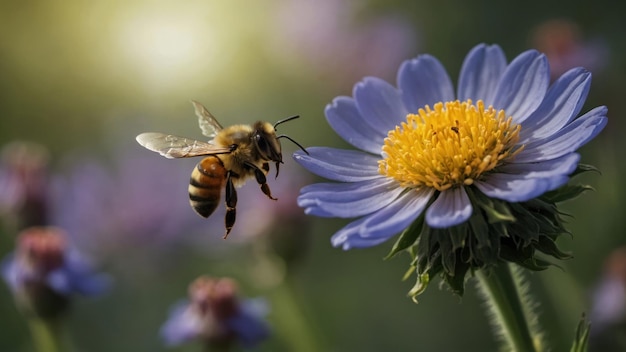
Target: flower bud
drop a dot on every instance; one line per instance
(43, 273)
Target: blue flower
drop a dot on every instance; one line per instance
(505, 135)
(215, 316)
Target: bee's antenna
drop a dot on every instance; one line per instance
(293, 141)
(285, 120)
(289, 138)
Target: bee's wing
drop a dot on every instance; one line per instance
(208, 123)
(178, 147)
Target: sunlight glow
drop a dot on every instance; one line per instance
(162, 45)
(166, 48)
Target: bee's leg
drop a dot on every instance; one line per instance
(231, 204)
(261, 180)
(267, 166)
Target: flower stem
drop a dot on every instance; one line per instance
(505, 300)
(297, 331)
(46, 335)
(288, 312)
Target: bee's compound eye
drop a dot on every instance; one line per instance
(262, 146)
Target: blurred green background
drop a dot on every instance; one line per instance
(82, 78)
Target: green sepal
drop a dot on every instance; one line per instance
(566, 192)
(523, 257)
(480, 229)
(408, 237)
(457, 280)
(457, 236)
(426, 249)
(548, 246)
(524, 233)
(581, 339)
(496, 210)
(409, 272)
(448, 254)
(419, 287)
(584, 168)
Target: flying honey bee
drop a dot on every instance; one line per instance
(233, 155)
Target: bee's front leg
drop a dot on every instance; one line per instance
(231, 204)
(259, 175)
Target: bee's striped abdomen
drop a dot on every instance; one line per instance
(205, 186)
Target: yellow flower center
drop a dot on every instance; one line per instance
(450, 145)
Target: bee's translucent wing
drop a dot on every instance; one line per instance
(208, 123)
(178, 147)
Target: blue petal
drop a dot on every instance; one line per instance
(349, 237)
(481, 73)
(346, 200)
(424, 81)
(68, 281)
(517, 188)
(523, 85)
(344, 117)
(452, 207)
(380, 104)
(249, 325)
(562, 103)
(564, 165)
(339, 164)
(250, 331)
(567, 140)
(183, 325)
(397, 216)
(11, 272)
(377, 228)
(77, 276)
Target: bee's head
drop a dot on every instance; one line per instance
(267, 143)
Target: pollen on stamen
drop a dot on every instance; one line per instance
(450, 145)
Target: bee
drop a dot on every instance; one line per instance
(233, 155)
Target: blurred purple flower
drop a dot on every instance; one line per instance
(328, 38)
(214, 314)
(563, 44)
(142, 200)
(608, 306)
(141, 203)
(44, 272)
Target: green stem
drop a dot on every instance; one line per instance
(288, 311)
(46, 335)
(505, 300)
